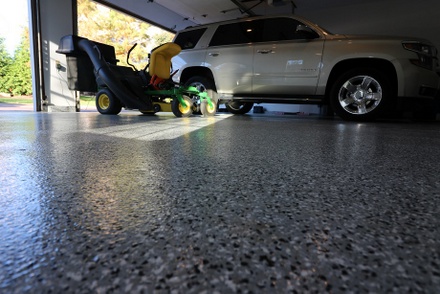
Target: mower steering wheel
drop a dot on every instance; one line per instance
(128, 57)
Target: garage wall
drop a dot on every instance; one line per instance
(55, 19)
(392, 17)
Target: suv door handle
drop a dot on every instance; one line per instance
(213, 54)
(267, 51)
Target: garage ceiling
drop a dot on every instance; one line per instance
(217, 10)
(175, 15)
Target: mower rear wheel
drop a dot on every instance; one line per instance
(180, 110)
(107, 103)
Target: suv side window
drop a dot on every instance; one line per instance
(189, 39)
(237, 33)
(281, 29)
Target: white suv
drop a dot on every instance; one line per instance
(287, 59)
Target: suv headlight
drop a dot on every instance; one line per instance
(425, 53)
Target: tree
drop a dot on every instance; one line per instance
(19, 79)
(102, 24)
(95, 22)
(5, 63)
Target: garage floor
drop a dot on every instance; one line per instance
(258, 203)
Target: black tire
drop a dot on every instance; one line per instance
(148, 112)
(180, 110)
(156, 108)
(239, 108)
(361, 94)
(107, 103)
(203, 84)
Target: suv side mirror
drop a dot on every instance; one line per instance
(305, 32)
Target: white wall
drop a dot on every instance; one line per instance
(56, 20)
(391, 17)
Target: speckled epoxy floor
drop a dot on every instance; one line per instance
(253, 204)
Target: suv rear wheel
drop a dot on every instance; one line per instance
(239, 108)
(360, 94)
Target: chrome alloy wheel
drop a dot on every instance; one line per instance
(360, 95)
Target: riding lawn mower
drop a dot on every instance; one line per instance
(92, 67)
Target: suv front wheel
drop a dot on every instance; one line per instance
(360, 94)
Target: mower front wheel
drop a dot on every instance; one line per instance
(208, 109)
(181, 110)
(107, 103)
